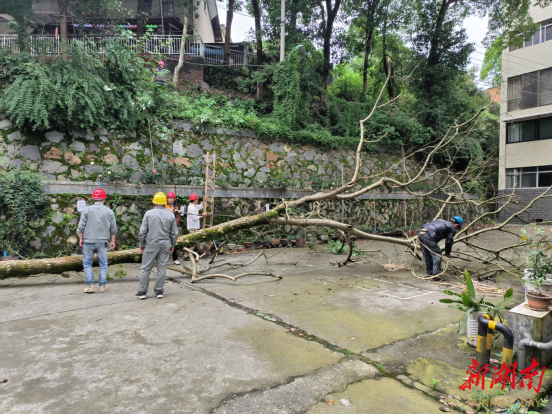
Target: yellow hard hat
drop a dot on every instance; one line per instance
(160, 198)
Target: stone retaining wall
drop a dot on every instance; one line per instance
(71, 166)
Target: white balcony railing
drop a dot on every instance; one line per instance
(167, 45)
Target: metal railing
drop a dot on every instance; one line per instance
(168, 45)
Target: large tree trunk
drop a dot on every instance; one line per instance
(62, 5)
(331, 13)
(17, 268)
(434, 56)
(229, 17)
(21, 268)
(258, 36)
(367, 51)
(140, 26)
(182, 46)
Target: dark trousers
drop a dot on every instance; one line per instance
(432, 260)
(175, 254)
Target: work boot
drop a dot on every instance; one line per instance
(103, 288)
(89, 288)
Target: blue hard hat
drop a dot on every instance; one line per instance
(459, 220)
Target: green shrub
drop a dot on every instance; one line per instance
(22, 204)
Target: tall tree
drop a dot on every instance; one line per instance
(259, 44)
(140, 24)
(229, 17)
(62, 8)
(187, 12)
(328, 20)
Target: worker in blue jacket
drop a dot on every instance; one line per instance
(431, 234)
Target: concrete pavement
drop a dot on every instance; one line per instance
(323, 339)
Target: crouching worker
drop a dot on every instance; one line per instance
(430, 235)
(158, 235)
(97, 230)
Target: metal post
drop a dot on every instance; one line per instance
(283, 31)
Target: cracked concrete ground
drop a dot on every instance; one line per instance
(323, 339)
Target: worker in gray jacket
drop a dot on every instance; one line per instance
(158, 235)
(97, 230)
(431, 234)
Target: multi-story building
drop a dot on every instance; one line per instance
(526, 122)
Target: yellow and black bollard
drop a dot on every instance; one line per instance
(485, 330)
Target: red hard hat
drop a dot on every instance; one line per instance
(99, 194)
(193, 197)
(171, 194)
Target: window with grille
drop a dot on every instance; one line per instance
(529, 177)
(530, 90)
(168, 8)
(543, 34)
(530, 130)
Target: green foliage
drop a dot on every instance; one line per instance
(79, 93)
(114, 173)
(120, 273)
(337, 247)
(347, 83)
(482, 400)
(289, 102)
(22, 204)
(468, 303)
(434, 382)
(492, 63)
(539, 264)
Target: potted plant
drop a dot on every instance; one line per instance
(538, 271)
(473, 308)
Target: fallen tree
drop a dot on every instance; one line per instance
(452, 184)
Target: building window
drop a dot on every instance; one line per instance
(530, 130)
(148, 7)
(168, 8)
(530, 90)
(529, 177)
(543, 34)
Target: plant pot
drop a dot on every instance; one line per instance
(471, 330)
(267, 245)
(248, 245)
(240, 247)
(232, 246)
(529, 287)
(275, 242)
(324, 238)
(538, 300)
(300, 242)
(334, 237)
(283, 242)
(293, 242)
(546, 288)
(207, 248)
(258, 244)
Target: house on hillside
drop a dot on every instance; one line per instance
(165, 18)
(526, 121)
